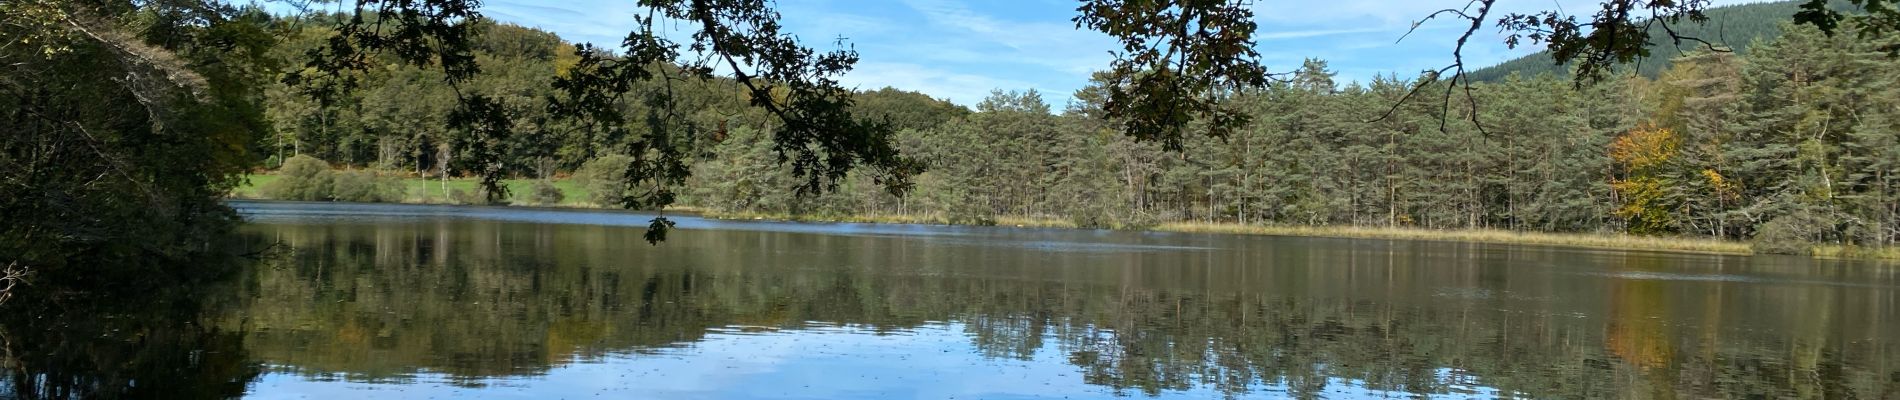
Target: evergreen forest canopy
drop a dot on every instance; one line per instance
(132, 118)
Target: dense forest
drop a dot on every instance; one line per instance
(1793, 142)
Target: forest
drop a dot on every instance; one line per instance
(1789, 144)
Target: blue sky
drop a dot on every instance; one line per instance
(960, 50)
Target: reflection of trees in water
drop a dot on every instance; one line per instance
(122, 344)
(476, 300)
(1640, 334)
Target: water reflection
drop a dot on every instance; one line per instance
(132, 344)
(453, 305)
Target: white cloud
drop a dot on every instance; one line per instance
(602, 22)
(1057, 44)
(961, 88)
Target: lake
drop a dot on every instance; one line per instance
(363, 301)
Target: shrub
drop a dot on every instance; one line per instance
(1091, 217)
(1136, 220)
(1789, 234)
(459, 196)
(478, 196)
(1100, 217)
(969, 209)
(302, 178)
(603, 178)
(544, 193)
(366, 187)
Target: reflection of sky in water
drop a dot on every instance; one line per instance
(935, 361)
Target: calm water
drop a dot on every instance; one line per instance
(387, 301)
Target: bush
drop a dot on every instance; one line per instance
(544, 193)
(307, 178)
(1136, 220)
(1099, 217)
(1091, 217)
(1794, 233)
(478, 197)
(971, 210)
(302, 178)
(367, 187)
(603, 178)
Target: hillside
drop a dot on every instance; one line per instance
(1736, 26)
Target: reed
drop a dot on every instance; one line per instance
(1591, 240)
(1857, 252)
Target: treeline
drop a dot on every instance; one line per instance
(1794, 143)
(394, 118)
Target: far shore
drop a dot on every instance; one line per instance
(1608, 241)
(428, 191)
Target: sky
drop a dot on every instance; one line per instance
(961, 50)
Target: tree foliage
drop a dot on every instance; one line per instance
(125, 125)
(302, 178)
(816, 132)
(545, 193)
(1178, 60)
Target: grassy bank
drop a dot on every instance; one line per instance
(1602, 241)
(924, 219)
(1590, 240)
(1857, 253)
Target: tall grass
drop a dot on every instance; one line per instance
(1593, 240)
(436, 191)
(922, 219)
(873, 218)
(1857, 252)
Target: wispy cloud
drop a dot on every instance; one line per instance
(1311, 33)
(602, 22)
(1053, 44)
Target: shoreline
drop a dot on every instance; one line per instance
(1686, 245)
(1490, 236)
(1607, 241)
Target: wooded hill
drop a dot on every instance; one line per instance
(1736, 27)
